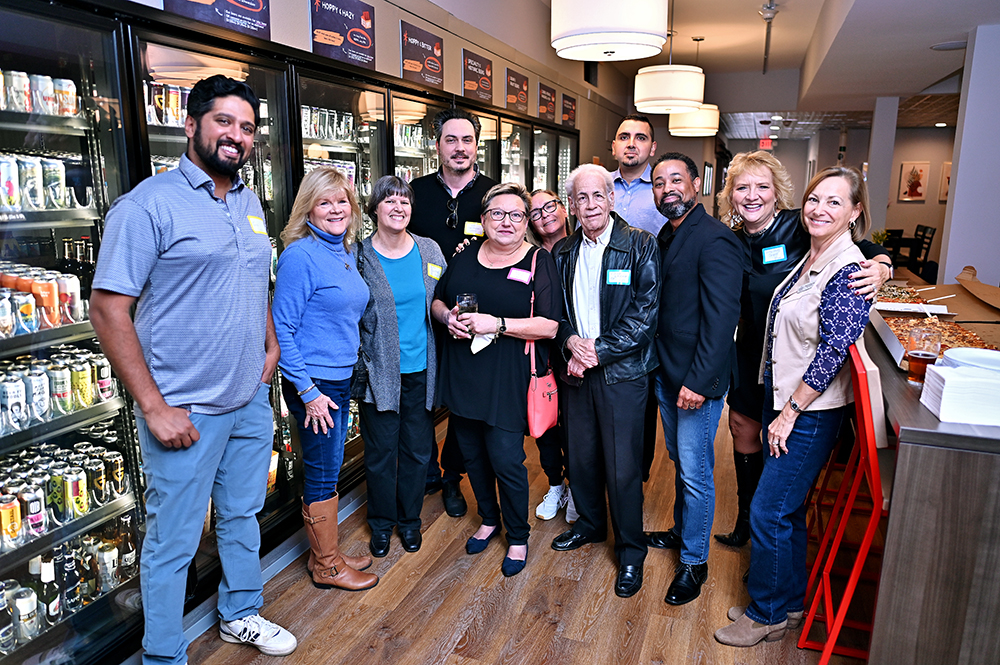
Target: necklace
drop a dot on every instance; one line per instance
(503, 257)
(757, 234)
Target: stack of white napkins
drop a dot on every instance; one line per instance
(962, 394)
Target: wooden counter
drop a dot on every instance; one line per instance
(939, 594)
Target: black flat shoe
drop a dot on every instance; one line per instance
(664, 540)
(687, 583)
(379, 544)
(432, 486)
(476, 545)
(571, 540)
(629, 581)
(511, 567)
(411, 539)
(454, 502)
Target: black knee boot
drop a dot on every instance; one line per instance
(748, 470)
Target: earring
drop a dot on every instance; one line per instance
(852, 224)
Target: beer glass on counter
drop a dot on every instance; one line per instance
(922, 349)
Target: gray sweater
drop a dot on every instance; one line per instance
(380, 330)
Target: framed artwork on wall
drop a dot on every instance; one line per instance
(708, 180)
(945, 182)
(913, 181)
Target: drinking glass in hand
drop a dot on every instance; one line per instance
(922, 349)
(467, 303)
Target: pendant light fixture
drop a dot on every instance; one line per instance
(596, 31)
(669, 88)
(703, 122)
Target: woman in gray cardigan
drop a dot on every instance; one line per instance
(399, 355)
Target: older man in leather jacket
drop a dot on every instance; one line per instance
(610, 279)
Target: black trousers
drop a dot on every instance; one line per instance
(494, 459)
(649, 431)
(397, 448)
(552, 452)
(604, 426)
(451, 460)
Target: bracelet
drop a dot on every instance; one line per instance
(303, 392)
(795, 405)
(889, 266)
(501, 326)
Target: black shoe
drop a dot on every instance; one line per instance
(379, 544)
(432, 486)
(664, 540)
(629, 581)
(476, 545)
(570, 540)
(740, 534)
(454, 502)
(411, 539)
(511, 567)
(687, 583)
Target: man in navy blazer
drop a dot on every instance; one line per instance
(701, 273)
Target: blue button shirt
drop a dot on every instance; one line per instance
(200, 269)
(634, 202)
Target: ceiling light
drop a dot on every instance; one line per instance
(950, 46)
(669, 89)
(773, 136)
(586, 30)
(702, 122)
(940, 124)
(776, 117)
(774, 128)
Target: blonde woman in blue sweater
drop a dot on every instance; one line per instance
(319, 299)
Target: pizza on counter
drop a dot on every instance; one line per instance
(952, 334)
(891, 293)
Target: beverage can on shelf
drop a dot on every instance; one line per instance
(306, 122)
(107, 564)
(25, 316)
(6, 314)
(77, 459)
(32, 500)
(60, 389)
(24, 613)
(43, 94)
(61, 454)
(114, 471)
(172, 106)
(46, 293)
(66, 103)
(36, 391)
(185, 93)
(104, 383)
(323, 125)
(96, 478)
(29, 174)
(83, 447)
(12, 402)
(8, 278)
(82, 385)
(314, 122)
(55, 491)
(75, 492)
(18, 88)
(158, 93)
(10, 521)
(71, 304)
(10, 187)
(54, 183)
(97, 451)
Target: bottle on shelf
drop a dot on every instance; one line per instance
(7, 639)
(50, 595)
(90, 575)
(128, 559)
(67, 263)
(34, 573)
(72, 592)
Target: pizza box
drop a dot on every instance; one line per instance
(912, 309)
(892, 344)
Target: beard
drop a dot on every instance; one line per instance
(676, 210)
(461, 168)
(210, 156)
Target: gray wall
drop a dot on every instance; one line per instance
(793, 155)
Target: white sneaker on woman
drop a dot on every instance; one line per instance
(571, 514)
(257, 631)
(553, 500)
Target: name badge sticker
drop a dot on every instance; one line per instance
(474, 229)
(434, 271)
(774, 254)
(257, 225)
(619, 277)
(519, 275)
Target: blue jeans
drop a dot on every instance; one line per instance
(690, 439)
(322, 454)
(228, 463)
(778, 571)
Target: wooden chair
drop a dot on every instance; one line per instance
(920, 249)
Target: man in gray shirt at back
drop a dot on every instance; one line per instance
(190, 248)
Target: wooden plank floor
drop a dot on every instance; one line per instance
(440, 605)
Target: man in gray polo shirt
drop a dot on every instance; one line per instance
(191, 246)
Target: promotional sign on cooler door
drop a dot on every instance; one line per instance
(517, 91)
(477, 75)
(344, 30)
(251, 17)
(546, 102)
(422, 56)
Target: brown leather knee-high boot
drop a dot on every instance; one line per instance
(330, 570)
(356, 562)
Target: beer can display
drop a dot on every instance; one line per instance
(71, 303)
(60, 389)
(25, 314)
(107, 565)
(307, 122)
(43, 94)
(18, 88)
(54, 183)
(29, 174)
(10, 184)
(172, 106)
(24, 613)
(12, 402)
(32, 500)
(66, 100)
(114, 472)
(55, 493)
(75, 492)
(36, 391)
(83, 447)
(82, 385)
(104, 383)
(157, 92)
(6, 314)
(323, 125)
(77, 459)
(46, 293)
(96, 479)
(10, 521)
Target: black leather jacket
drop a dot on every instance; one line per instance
(625, 348)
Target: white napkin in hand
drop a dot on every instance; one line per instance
(480, 342)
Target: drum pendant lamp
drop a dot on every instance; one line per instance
(669, 88)
(599, 31)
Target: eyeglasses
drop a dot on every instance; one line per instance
(452, 220)
(549, 207)
(497, 215)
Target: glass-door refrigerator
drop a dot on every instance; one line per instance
(567, 161)
(68, 470)
(165, 71)
(515, 151)
(544, 167)
(488, 142)
(414, 151)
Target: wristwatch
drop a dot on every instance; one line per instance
(501, 326)
(889, 266)
(795, 405)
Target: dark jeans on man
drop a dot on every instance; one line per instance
(398, 445)
(605, 424)
(494, 459)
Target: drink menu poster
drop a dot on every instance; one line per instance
(546, 102)
(422, 55)
(344, 30)
(251, 17)
(517, 91)
(477, 75)
(569, 111)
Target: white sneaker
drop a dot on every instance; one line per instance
(257, 631)
(553, 500)
(571, 514)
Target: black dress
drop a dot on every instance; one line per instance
(492, 385)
